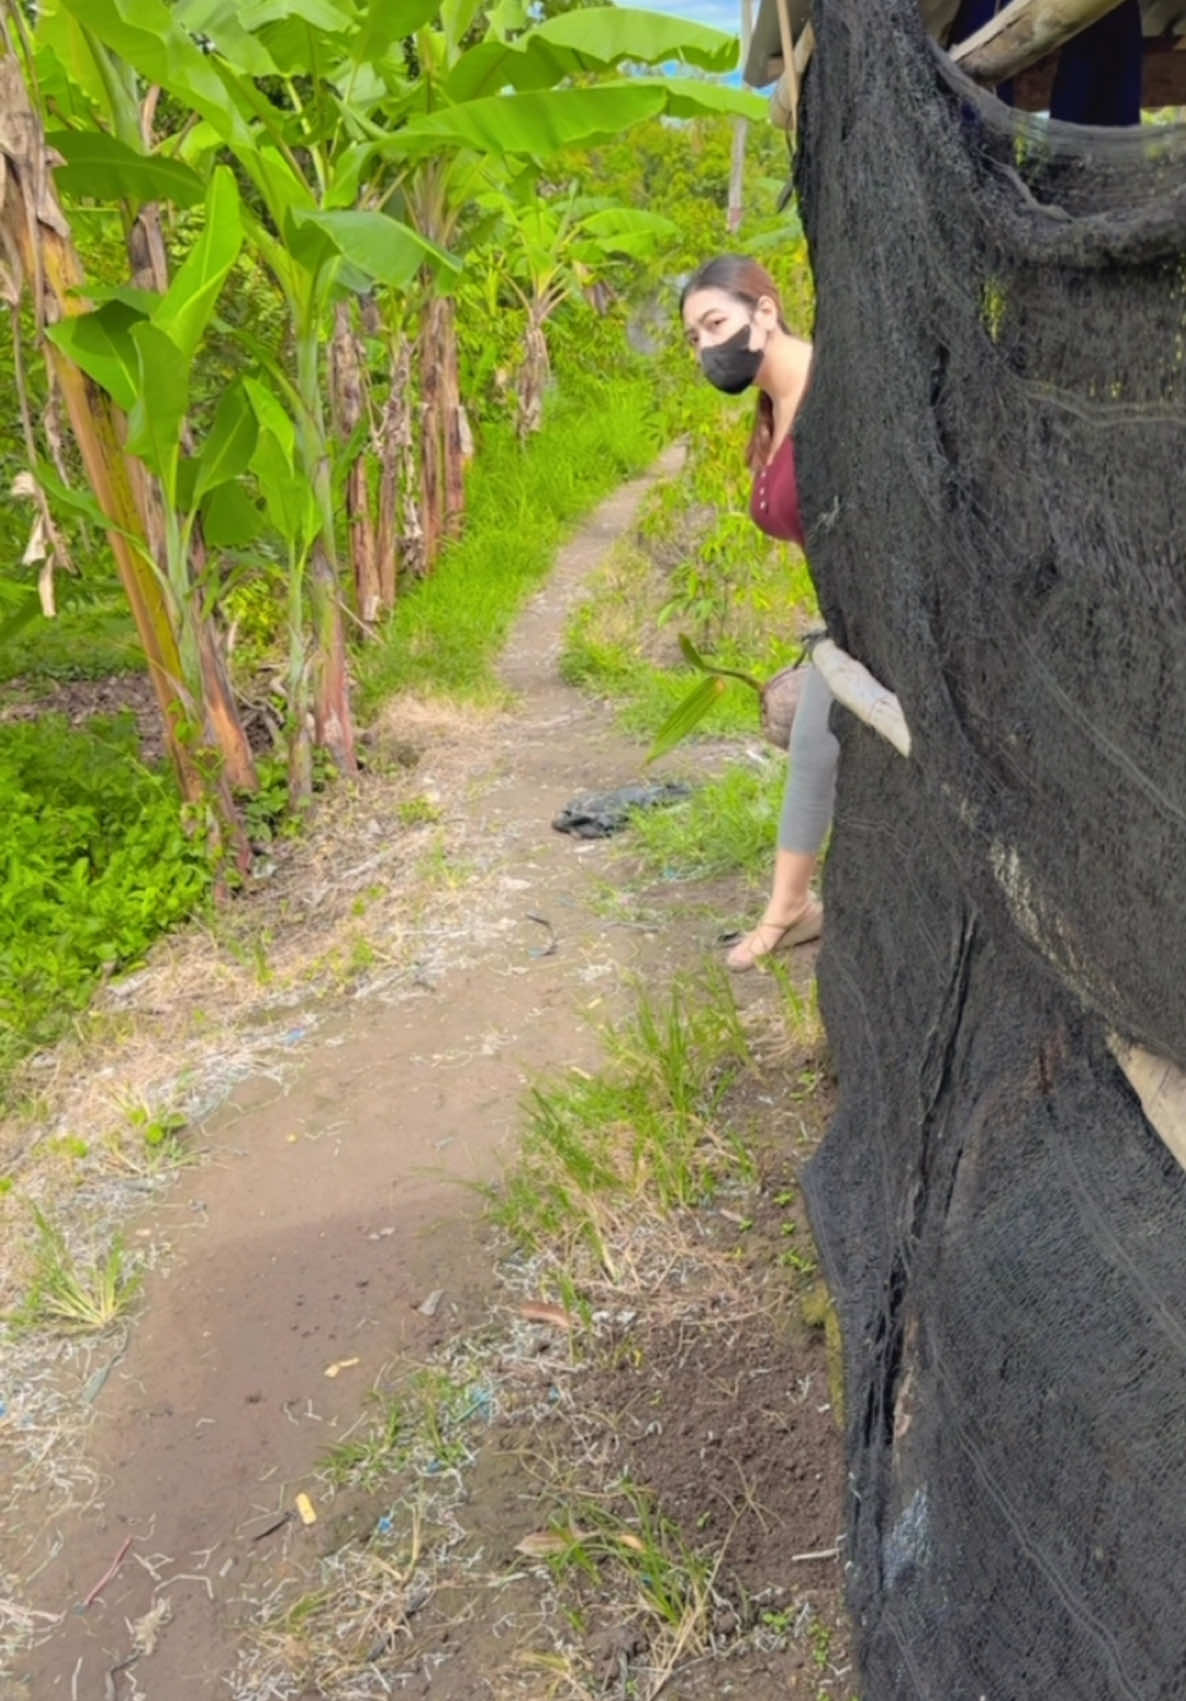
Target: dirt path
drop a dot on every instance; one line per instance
(329, 1209)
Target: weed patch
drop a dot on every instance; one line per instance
(700, 568)
(642, 1130)
(69, 1297)
(96, 865)
(728, 825)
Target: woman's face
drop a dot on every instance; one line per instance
(712, 316)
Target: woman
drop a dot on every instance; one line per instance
(734, 321)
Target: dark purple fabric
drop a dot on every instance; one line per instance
(1098, 80)
(774, 504)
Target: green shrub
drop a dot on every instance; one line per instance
(94, 864)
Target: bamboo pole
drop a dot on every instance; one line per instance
(736, 206)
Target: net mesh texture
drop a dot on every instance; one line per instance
(992, 459)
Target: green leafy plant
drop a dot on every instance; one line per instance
(85, 900)
(159, 1129)
(69, 1298)
(699, 702)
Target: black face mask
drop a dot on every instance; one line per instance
(732, 365)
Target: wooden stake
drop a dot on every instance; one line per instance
(855, 687)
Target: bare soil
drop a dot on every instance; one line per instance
(296, 1261)
(83, 700)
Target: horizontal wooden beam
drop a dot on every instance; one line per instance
(1022, 33)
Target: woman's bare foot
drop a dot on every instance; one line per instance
(771, 936)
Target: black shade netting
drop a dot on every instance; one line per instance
(992, 460)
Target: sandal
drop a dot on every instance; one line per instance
(750, 951)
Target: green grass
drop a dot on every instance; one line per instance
(427, 1422)
(645, 694)
(73, 1299)
(382, 1448)
(729, 825)
(657, 1570)
(447, 631)
(88, 639)
(643, 1128)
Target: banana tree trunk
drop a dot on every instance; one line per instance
(431, 435)
(146, 251)
(299, 729)
(400, 546)
(348, 392)
(455, 426)
(224, 724)
(333, 723)
(36, 239)
(224, 727)
(533, 376)
(445, 437)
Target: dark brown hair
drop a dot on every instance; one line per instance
(746, 281)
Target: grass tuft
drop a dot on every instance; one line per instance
(728, 825)
(668, 1583)
(68, 1298)
(644, 1128)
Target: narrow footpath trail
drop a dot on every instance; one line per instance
(327, 1209)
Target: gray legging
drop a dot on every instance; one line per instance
(811, 776)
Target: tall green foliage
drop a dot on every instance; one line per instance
(341, 144)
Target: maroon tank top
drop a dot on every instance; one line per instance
(774, 504)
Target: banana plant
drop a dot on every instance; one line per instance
(139, 348)
(547, 251)
(358, 128)
(479, 117)
(105, 145)
(36, 239)
(301, 218)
